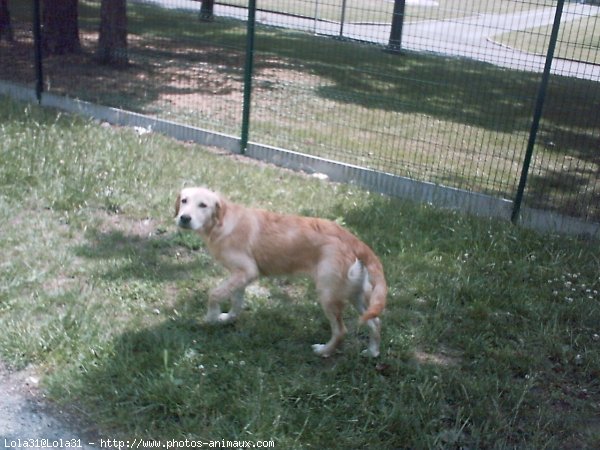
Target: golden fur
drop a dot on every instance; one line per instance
(254, 242)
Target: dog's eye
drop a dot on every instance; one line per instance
(184, 200)
(201, 205)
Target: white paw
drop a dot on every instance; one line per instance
(211, 318)
(226, 318)
(371, 353)
(321, 350)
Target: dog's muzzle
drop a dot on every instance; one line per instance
(185, 221)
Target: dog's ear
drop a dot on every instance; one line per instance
(220, 208)
(177, 203)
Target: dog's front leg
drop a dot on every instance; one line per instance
(231, 288)
(237, 304)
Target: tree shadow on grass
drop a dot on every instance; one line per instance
(125, 255)
(181, 376)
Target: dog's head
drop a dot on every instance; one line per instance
(199, 209)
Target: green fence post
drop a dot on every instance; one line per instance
(537, 114)
(395, 41)
(343, 19)
(37, 38)
(248, 74)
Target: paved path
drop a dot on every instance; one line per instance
(28, 421)
(469, 37)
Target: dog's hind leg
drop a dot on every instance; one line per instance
(360, 298)
(333, 307)
(338, 330)
(374, 337)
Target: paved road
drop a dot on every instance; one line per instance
(469, 37)
(28, 421)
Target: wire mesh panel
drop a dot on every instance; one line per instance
(439, 114)
(16, 45)
(447, 99)
(178, 67)
(565, 173)
(440, 91)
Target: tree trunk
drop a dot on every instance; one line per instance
(206, 10)
(112, 43)
(5, 24)
(60, 28)
(395, 42)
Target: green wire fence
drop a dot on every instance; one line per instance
(492, 98)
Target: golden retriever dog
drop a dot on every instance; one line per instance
(253, 242)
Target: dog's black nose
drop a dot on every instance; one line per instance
(185, 219)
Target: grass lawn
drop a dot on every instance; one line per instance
(491, 337)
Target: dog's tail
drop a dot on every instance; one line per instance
(374, 285)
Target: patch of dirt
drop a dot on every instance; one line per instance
(142, 228)
(443, 358)
(194, 80)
